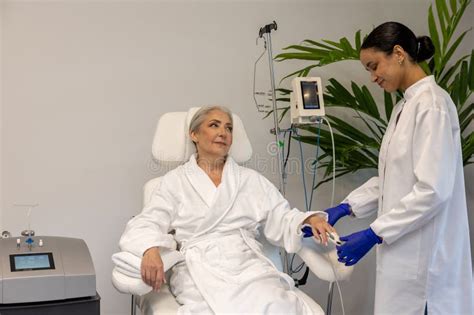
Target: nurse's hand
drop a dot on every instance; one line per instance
(152, 268)
(337, 212)
(356, 246)
(320, 227)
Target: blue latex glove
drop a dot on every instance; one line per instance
(337, 212)
(307, 231)
(356, 246)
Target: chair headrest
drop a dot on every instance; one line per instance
(173, 144)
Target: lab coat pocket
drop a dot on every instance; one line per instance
(400, 259)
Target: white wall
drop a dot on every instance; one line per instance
(84, 83)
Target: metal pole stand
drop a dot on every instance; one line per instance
(330, 295)
(265, 33)
(133, 305)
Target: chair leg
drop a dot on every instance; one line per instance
(331, 293)
(134, 306)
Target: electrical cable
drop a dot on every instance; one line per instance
(332, 204)
(288, 150)
(333, 162)
(332, 194)
(302, 170)
(315, 169)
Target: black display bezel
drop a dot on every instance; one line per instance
(14, 269)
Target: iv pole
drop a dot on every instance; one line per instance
(265, 34)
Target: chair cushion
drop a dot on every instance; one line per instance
(154, 303)
(173, 144)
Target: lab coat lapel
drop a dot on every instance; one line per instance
(224, 197)
(200, 181)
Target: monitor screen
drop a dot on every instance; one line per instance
(24, 262)
(309, 91)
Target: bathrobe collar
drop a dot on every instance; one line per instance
(219, 199)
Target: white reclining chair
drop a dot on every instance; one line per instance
(171, 147)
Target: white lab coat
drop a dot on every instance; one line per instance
(422, 215)
(225, 270)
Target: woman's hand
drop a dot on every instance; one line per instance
(320, 227)
(152, 268)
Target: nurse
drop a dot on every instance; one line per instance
(421, 232)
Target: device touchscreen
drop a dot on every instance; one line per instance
(309, 90)
(24, 262)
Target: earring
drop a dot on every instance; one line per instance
(400, 61)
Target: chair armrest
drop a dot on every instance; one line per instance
(129, 285)
(126, 276)
(319, 259)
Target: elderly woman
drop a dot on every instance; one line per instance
(216, 207)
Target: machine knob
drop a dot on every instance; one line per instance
(27, 233)
(18, 242)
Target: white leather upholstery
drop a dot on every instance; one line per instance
(322, 261)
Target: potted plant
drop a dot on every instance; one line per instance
(357, 149)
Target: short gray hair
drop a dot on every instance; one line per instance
(201, 114)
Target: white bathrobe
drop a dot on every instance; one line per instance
(225, 270)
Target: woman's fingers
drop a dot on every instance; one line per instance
(153, 276)
(152, 271)
(158, 280)
(321, 231)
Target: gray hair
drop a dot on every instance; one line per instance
(201, 114)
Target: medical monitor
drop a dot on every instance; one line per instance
(307, 101)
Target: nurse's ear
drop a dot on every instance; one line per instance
(399, 53)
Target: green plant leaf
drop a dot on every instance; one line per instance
(463, 126)
(388, 104)
(298, 56)
(444, 81)
(312, 42)
(463, 83)
(370, 103)
(434, 35)
(453, 5)
(451, 50)
(426, 68)
(372, 130)
(465, 113)
(357, 41)
(352, 132)
(335, 44)
(443, 15)
(467, 148)
(471, 71)
(298, 72)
